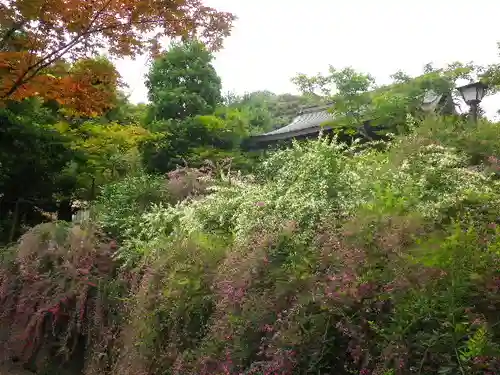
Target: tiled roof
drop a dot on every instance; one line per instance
(304, 121)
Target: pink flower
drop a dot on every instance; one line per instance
(492, 159)
(267, 328)
(389, 288)
(260, 204)
(480, 360)
(477, 322)
(348, 277)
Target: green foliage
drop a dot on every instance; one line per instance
(32, 158)
(126, 113)
(185, 93)
(352, 97)
(356, 98)
(266, 111)
(194, 140)
(107, 151)
(183, 83)
(52, 156)
(370, 259)
(479, 142)
(121, 203)
(332, 259)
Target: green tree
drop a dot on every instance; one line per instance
(51, 154)
(126, 113)
(186, 111)
(33, 156)
(194, 140)
(182, 83)
(108, 151)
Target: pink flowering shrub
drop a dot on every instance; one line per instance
(338, 306)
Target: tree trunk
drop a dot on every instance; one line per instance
(15, 219)
(64, 211)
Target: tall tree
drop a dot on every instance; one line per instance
(183, 83)
(89, 86)
(36, 34)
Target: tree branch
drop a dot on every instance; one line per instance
(46, 61)
(8, 35)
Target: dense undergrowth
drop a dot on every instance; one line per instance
(332, 259)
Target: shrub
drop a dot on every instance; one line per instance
(59, 300)
(121, 203)
(140, 210)
(332, 250)
(331, 260)
(478, 141)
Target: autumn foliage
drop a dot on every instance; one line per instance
(37, 38)
(87, 87)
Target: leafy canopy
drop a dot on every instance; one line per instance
(32, 157)
(182, 82)
(357, 98)
(37, 34)
(186, 112)
(107, 152)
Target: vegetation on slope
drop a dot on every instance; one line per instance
(331, 259)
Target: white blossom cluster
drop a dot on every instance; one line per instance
(319, 180)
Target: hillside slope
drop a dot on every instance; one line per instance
(330, 260)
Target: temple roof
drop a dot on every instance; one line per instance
(310, 120)
(307, 121)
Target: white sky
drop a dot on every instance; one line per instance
(272, 40)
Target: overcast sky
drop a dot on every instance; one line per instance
(272, 40)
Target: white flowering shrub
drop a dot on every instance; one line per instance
(121, 203)
(143, 233)
(317, 180)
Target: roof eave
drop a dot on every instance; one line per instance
(288, 135)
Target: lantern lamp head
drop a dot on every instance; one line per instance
(473, 93)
